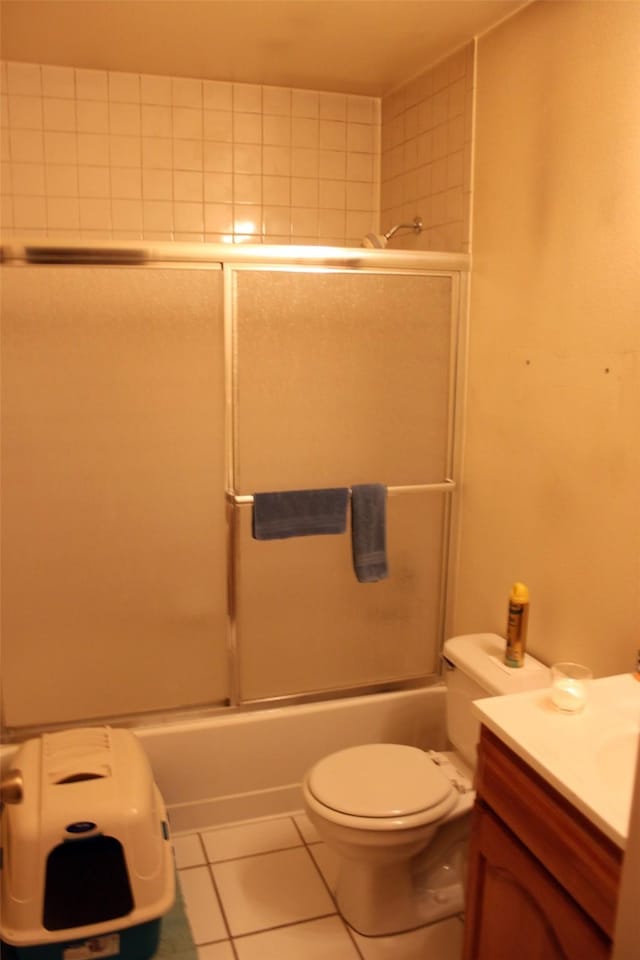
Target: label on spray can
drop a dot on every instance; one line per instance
(517, 622)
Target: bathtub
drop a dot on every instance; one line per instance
(244, 765)
(241, 766)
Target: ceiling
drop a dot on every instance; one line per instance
(353, 46)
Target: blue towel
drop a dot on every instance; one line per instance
(299, 513)
(368, 530)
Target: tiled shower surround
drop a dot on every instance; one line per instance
(426, 155)
(122, 156)
(103, 155)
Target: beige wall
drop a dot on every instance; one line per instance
(551, 491)
(124, 156)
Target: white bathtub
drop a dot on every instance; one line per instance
(244, 765)
(238, 766)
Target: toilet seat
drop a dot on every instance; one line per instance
(382, 782)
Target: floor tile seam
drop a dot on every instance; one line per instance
(259, 853)
(307, 843)
(239, 825)
(251, 822)
(332, 895)
(214, 943)
(228, 938)
(190, 866)
(297, 923)
(187, 866)
(233, 950)
(322, 877)
(193, 866)
(218, 897)
(203, 849)
(297, 828)
(283, 926)
(216, 893)
(350, 934)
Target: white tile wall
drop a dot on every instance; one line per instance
(106, 155)
(426, 155)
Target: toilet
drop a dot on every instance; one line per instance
(397, 816)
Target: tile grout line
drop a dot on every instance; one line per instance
(206, 864)
(283, 926)
(307, 845)
(330, 891)
(219, 899)
(231, 939)
(331, 894)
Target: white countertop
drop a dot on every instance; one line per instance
(589, 757)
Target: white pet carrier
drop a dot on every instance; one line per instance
(87, 862)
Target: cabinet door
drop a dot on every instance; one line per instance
(515, 908)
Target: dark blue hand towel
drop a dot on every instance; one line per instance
(299, 513)
(369, 531)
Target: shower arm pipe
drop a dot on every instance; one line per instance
(415, 225)
(447, 486)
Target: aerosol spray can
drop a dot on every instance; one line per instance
(517, 622)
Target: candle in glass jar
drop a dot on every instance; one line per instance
(569, 694)
(569, 685)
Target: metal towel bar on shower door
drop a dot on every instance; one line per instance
(447, 486)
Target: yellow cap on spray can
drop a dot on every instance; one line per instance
(517, 622)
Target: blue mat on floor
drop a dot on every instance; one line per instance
(176, 941)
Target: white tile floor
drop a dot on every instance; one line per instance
(261, 890)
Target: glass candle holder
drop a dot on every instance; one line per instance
(569, 686)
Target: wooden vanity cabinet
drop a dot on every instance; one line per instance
(543, 880)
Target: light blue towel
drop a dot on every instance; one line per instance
(299, 513)
(369, 531)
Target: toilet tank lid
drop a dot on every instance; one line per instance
(481, 657)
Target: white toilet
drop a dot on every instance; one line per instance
(398, 817)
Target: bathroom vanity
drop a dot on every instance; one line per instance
(549, 824)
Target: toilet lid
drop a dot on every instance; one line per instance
(378, 780)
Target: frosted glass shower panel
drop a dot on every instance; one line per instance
(341, 378)
(113, 552)
(306, 625)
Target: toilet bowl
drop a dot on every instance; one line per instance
(397, 817)
(377, 824)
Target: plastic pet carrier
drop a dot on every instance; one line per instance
(87, 867)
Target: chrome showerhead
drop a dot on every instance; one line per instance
(376, 240)
(380, 240)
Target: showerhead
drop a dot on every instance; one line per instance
(380, 240)
(376, 240)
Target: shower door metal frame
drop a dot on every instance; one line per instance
(234, 259)
(454, 267)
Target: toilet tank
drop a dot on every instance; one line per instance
(476, 669)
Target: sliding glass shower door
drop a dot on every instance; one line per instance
(113, 529)
(340, 377)
(143, 405)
